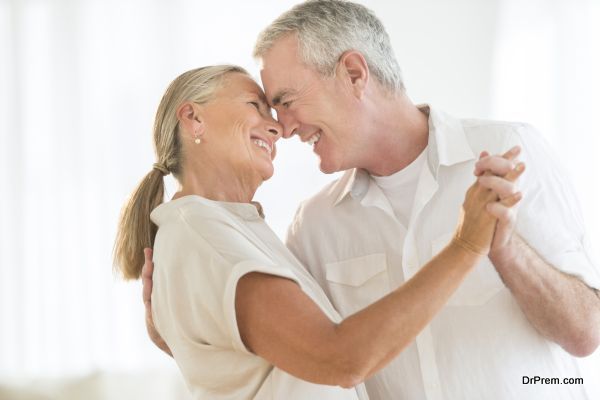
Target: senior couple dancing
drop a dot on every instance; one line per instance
(410, 277)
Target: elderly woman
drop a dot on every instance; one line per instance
(241, 315)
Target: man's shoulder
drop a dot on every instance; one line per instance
(498, 136)
(493, 129)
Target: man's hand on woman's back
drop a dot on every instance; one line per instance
(147, 270)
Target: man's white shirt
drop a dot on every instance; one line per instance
(480, 346)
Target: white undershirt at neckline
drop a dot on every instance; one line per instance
(400, 187)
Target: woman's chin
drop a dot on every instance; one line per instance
(264, 170)
(267, 174)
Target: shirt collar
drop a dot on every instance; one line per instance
(247, 211)
(355, 181)
(447, 145)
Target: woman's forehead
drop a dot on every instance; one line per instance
(238, 84)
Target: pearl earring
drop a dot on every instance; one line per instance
(197, 138)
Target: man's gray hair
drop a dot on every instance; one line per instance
(326, 29)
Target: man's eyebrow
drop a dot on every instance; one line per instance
(279, 95)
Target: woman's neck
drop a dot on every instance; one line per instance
(219, 184)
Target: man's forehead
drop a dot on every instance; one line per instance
(282, 82)
(276, 85)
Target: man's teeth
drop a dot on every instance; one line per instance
(314, 139)
(263, 144)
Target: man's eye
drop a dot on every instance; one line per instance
(255, 104)
(286, 104)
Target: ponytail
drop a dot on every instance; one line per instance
(136, 231)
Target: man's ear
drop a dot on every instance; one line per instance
(353, 68)
(190, 119)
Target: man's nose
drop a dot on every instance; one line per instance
(288, 123)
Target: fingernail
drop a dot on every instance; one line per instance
(520, 167)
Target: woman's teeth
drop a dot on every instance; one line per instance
(314, 139)
(263, 144)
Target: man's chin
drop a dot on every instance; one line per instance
(327, 167)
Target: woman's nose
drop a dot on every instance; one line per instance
(275, 129)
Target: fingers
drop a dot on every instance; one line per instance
(506, 215)
(511, 200)
(512, 153)
(496, 165)
(147, 270)
(148, 259)
(506, 219)
(514, 174)
(479, 171)
(502, 186)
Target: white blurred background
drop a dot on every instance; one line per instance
(80, 82)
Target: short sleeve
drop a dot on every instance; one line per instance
(229, 312)
(550, 217)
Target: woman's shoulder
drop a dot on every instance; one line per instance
(188, 210)
(217, 224)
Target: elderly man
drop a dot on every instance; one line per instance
(329, 71)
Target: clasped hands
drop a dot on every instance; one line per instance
(488, 215)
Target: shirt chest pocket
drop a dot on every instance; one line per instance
(480, 285)
(355, 283)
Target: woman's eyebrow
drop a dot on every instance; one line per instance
(258, 95)
(263, 99)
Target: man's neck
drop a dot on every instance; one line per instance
(401, 133)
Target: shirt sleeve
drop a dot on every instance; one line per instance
(237, 272)
(550, 217)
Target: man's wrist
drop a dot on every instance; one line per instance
(506, 255)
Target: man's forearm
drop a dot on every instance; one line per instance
(559, 306)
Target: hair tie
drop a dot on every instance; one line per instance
(160, 167)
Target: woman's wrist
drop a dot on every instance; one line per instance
(468, 247)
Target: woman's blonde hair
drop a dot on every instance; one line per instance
(136, 231)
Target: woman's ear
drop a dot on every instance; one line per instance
(190, 120)
(353, 68)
